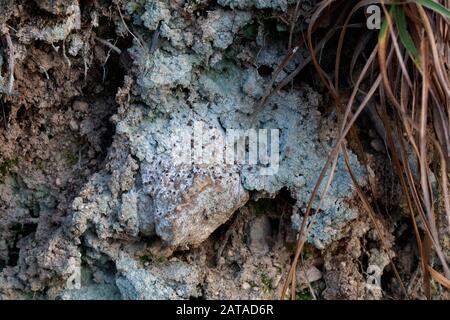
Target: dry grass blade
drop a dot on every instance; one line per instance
(268, 94)
(418, 118)
(421, 127)
(439, 278)
(128, 29)
(293, 22)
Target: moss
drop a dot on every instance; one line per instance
(40, 165)
(145, 259)
(7, 165)
(308, 250)
(70, 157)
(135, 6)
(250, 31)
(150, 259)
(304, 295)
(267, 282)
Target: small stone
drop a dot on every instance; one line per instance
(87, 126)
(80, 106)
(73, 125)
(312, 274)
(57, 7)
(276, 281)
(246, 286)
(276, 264)
(221, 261)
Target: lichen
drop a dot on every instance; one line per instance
(145, 201)
(7, 165)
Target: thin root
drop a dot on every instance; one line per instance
(11, 60)
(109, 45)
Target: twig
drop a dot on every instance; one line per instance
(235, 224)
(111, 48)
(270, 91)
(311, 290)
(4, 114)
(155, 36)
(109, 45)
(11, 61)
(126, 27)
(293, 22)
(65, 55)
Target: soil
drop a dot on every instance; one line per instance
(59, 146)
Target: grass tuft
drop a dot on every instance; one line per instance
(404, 81)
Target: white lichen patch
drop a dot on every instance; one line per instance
(195, 63)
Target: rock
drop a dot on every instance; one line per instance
(57, 30)
(80, 106)
(6, 8)
(139, 194)
(311, 274)
(171, 280)
(298, 164)
(57, 7)
(281, 5)
(93, 292)
(73, 125)
(260, 4)
(246, 286)
(76, 45)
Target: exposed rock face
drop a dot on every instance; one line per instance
(260, 4)
(170, 280)
(146, 200)
(56, 30)
(57, 7)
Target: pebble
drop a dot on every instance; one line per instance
(80, 106)
(221, 261)
(276, 281)
(73, 125)
(246, 286)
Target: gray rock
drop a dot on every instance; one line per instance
(308, 275)
(147, 192)
(169, 280)
(93, 292)
(260, 4)
(305, 141)
(281, 5)
(56, 30)
(57, 7)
